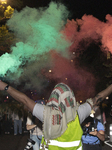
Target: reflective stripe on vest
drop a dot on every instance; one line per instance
(80, 148)
(64, 144)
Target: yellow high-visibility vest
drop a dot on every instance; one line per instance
(69, 140)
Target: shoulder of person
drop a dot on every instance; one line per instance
(97, 122)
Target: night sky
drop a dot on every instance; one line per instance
(77, 8)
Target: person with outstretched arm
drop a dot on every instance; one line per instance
(61, 116)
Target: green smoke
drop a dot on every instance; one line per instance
(38, 31)
(10, 62)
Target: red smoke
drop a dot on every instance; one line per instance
(77, 78)
(88, 29)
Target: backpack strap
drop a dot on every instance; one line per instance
(96, 122)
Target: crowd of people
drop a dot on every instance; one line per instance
(11, 122)
(16, 123)
(62, 117)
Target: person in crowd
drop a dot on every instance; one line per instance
(7, 122)
(17, 123)
(35, 132)
(93, 133)
(25, 114)
(61, 116)
(100, 115)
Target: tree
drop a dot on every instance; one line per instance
(8, 12)
(2, 9)
(6, 39)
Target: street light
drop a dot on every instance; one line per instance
(50, 70)
(3, 1)
(3, 4)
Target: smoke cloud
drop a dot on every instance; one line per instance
(47, 40)
(38, 32)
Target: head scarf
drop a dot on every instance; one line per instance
(60, 110)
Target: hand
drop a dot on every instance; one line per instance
(97, 99)
(100, 134)
(94, 132)
(102, 95)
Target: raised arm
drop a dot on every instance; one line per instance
(17, 95)
(84, 109)
(102, 95)
(21, 97)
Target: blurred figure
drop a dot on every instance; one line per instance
(25, 114)
(35, 128)
(35, 132)
(7, 120)
(100, 115)
(17, 123)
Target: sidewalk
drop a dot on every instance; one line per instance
(18, 142)
(12, 142)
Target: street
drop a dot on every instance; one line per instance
(18, 142)
(12, 142)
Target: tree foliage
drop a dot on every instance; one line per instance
(6, 39)
(2, 9)
(8, 12)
